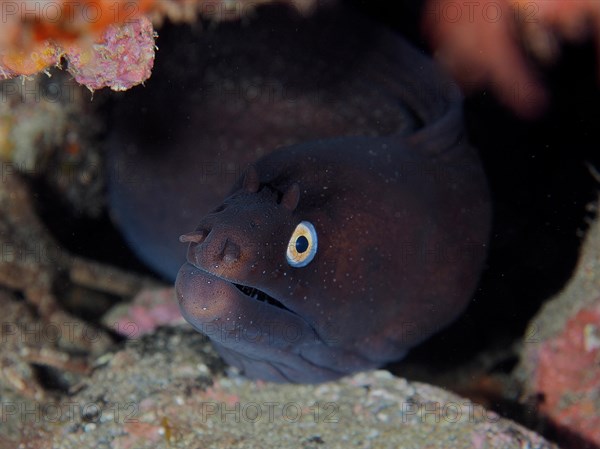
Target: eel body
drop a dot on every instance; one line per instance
(358, 230)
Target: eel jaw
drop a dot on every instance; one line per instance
(254, 335)
(206, 297)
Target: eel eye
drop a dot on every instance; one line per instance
(303, 245)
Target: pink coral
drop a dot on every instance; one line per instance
(568, 375)
(122, 59)
(150, 309)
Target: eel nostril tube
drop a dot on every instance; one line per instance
(193, 237)
(231, 252)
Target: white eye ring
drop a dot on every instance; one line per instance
(302, 246)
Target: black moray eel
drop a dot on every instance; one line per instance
(362, 235)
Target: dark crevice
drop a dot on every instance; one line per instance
(92, 237)
(51, 379)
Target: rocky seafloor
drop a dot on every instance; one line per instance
(170, 390)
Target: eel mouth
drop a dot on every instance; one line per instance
(259, 295)
(205, 297)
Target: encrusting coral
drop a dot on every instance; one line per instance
(107, 43)
(110, 43)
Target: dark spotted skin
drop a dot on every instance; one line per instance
(402, 219)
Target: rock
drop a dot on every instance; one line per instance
(169, 389)
(149, 309)
(560, 361)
